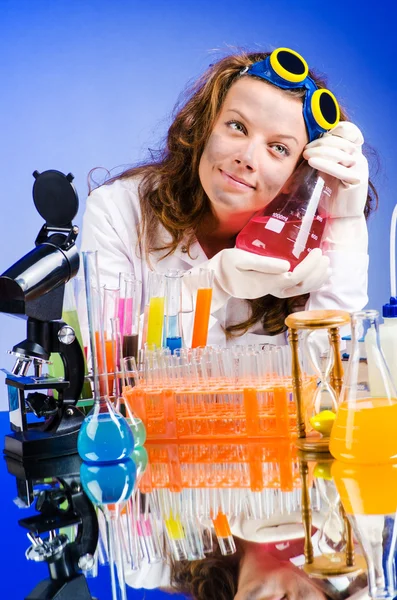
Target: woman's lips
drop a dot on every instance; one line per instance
(235, 181)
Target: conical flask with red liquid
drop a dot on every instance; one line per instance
(292, 224)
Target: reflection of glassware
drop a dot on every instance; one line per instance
(130, 378)
(292, 224)
(332, 532)
(327, 564)
(155, 314)
(364, 430)
(130, 312)
(369, 496)
(173, 290)
(223, 534)
(203, 308)
(109, 487)
(105, 435)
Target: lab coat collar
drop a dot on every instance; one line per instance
(195, 256)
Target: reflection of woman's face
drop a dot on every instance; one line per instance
(254, 147)
(264, 577)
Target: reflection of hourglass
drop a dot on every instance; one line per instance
(332, 562)
(332, 533)
(327, 391)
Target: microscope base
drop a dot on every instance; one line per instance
(32, 445)
(36, 444)
(56, 590)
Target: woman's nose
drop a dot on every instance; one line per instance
(247, 156)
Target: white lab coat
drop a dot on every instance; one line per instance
(110, 227)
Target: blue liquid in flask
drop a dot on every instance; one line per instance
(105, 438)
(109, 484)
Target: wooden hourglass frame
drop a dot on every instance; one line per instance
(335, 564)
(331, 320)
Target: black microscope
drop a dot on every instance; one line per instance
(33, 289)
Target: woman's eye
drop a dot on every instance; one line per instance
(236, 126)
(280, 149)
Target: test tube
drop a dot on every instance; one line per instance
(203, 308)
(148, 535)
(130, 312)
(223, 534)
(155, 319)
(95, 319)
(111, 298)
(173, 287)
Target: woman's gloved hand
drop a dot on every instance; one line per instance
(339, 154)
(240, 274)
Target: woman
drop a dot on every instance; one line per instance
(229, 150)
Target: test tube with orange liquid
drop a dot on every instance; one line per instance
(203, 308)
(223, 534)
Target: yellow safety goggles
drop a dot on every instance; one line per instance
(287, 69)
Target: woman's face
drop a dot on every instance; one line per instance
(264, 577)
(254, 147)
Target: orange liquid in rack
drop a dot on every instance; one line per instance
(367, 433)
(202, 317)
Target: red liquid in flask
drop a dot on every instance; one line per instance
(292, 224)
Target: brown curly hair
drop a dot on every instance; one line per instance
(170, 190)
(214, 578)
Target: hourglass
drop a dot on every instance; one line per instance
(329, 370)
(336, 543)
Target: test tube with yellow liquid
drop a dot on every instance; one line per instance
(203, 308)
(156, 306)
(364, 431)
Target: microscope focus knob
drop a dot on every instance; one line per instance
(66, 335)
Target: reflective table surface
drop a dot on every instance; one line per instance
(251, 521)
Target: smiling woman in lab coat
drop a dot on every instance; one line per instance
(229, 150)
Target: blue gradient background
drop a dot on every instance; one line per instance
(93, 83)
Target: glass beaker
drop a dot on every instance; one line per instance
(105, 435)
(364, 430)
(292, 224)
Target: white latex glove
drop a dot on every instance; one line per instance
(339, 154)
(240, 274)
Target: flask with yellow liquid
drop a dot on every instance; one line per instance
(365, 431)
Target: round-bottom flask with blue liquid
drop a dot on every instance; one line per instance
(108, 484)
(105, 435)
